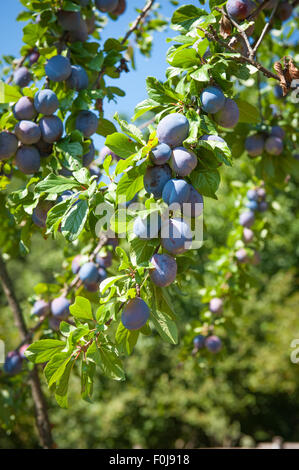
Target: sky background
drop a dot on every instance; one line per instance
(133, 83)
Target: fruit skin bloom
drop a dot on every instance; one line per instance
(135, 314)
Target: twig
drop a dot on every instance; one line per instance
(241, 31)
(139, 18)
(265, 30)
(213, 36)
(260, 96)
(41, 412)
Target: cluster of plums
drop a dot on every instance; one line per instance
(14, 361)
(241, 9)
(212, 343)
(225, 111)
(272, 143)
(256, 203)
(92, 273)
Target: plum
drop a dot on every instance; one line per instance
(89, 156)
(247, 219)
(274, 145)
(104, 261)
(24, 109)
(27, 159)
(28, 132)
(161, 154)
(278, 93)
(262, 206)
(73, 22)
(256, 258)
(155, 179)
(22, 350)
(58, 68)
(13, 363)
(105, 151)
(91, 286)
(60, 308)
(284, 11)
(46, 102)
(120, 9)
(33, 56)
(213, 344)
(54, 323)
(78, 79)
(173, 129)
(89, 272)
(252, 195)
(277, 131)
(194, 206)
(296, 156)
(199, 341)
(239, 9)
(135, 314)
(216, 305)
(41, 308)
(102, 274)
(165, 270)
(76, 264)
(51, 128)
(22, 77)
(261, 192)
(87, 123)
(44, 148)
(176, 191)
(40, 213)
(106, 6)
(147, 227)
(228, 116)
(8, 145)
(254, 145)
(252, 205)
(183, 161)
(242, 256)
(212, 99)
(212, 137)
(247, 235)
(176, 236)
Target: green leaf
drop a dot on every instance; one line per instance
(206, 182)
(110, 281)
(87, 374)
(61, 388)
(126, 338)
(105, 127)
(56, 367)
(9, 93)
(54, 184)
(43, 350)
(130, 129)
(184, 58)
(202, 73)
(129, 185)
(122, 145)
(187, 15)
(142, 250)
(166, 327)
(248, 112)
(81, 308)
(73, 222)
(110, 363)
(144, 107)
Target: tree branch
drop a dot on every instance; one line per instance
(213, 36)
(139, 18)
(241, 31)
(265, 30)
(41, 412)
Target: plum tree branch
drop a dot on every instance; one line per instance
(265, 30)
(213, 36)
(138, 20)
(241, 31)
(41, 412)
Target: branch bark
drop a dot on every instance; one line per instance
(41, 412)
(139, 18)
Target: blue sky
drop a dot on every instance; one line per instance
(134, 81)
